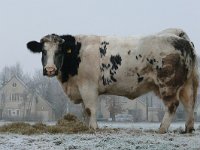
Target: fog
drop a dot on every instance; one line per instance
(22, 21)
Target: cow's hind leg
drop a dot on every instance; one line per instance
(171, 104)
(188, 97)
(85, 115)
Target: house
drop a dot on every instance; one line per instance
(197, 112)
(197, 107)
(144, 108)
(17, 102)
(136, 107)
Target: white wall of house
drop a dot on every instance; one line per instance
(127, 106)
(19, 103)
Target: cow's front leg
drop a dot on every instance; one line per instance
(89, 96)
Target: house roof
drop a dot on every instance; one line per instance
(14, 76)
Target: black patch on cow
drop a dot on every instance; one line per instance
(115, 61)
(106, 81)
(112, 72)
(151, 61)
(105, 66)
(181, 34)
(88, 112)
(192, 44)
(185, 47)
(103, 48)
(71, 60)
(140, 78)
(140, 55)
(136, 57)
(158, 68)
(101, 69)
(129, 52)
(112, 67)
(113, 79)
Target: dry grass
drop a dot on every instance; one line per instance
(69, 124)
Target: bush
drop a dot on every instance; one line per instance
(69, 124)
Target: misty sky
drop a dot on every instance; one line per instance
(25, 20)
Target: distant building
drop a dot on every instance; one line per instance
(145, 108)
(137, 108)
(17, 102)
(197, 106)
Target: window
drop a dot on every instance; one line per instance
(14, 97)
(17, 97)
(9, 112)
(14, 84)
(27, 111)
(17, 112)
(13, 112)
(36, 99)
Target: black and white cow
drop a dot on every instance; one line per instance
(88, 66)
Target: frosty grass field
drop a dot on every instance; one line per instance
(122, 136)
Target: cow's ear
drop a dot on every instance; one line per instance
(34, 46)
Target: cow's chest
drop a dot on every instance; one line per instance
(71, 90)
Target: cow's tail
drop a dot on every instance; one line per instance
(193, 71)
(193, 75)
(195, 78)
(195, 82)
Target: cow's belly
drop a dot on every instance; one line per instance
(129, 88)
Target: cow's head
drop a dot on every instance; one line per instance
(55, 49)
(52, 53)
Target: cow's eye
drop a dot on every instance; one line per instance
(44, 52)
(56, 53)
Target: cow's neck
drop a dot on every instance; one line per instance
(71, 58)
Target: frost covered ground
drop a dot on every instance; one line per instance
(112, 136)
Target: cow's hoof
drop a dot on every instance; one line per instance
(162, 131)
(189, 130)
(93, 125)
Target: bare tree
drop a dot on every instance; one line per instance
(114, 105)
(51, 91)
(8, 72)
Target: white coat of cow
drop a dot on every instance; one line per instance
(88, 66)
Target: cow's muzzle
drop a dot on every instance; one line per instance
(50, 71)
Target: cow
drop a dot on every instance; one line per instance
(88, 66)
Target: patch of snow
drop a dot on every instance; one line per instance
(116, 136)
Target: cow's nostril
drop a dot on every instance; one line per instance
(50, 69)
